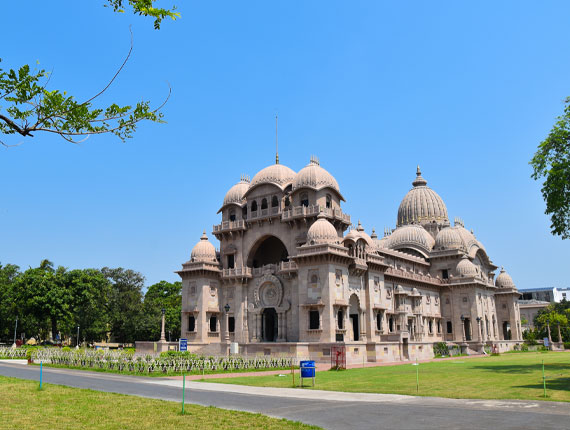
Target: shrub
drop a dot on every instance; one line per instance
(566, 345)
(66, 349)
(524, 347)
(440, 349)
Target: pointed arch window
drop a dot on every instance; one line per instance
(254, 206)
(264, 204)
(329, 201)
(304, 199)
(274, 202)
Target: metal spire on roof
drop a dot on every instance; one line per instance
(276, 143)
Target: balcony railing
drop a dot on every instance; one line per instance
(314, 210)
(237, 272)
(230, 226)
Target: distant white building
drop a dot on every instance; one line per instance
(549, 294)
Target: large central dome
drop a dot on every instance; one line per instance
(422, 205)
(277, 174)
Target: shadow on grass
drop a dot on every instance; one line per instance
(561, 384)
(524, 369)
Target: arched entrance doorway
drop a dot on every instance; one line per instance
(267, 250)
(269, 329)
(354, 310)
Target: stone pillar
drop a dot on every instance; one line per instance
(258, 327)
(162, 332)
(227, 329)
(363, 326)
(549, 338)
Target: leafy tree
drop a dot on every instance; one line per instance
(43, 300)
(89, 291)
(32, 108)
(124, 303)
(167, 296)
(8, 309)
(552, 162)
(557, 315)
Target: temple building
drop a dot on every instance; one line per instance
(294, 277)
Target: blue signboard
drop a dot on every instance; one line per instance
(546, 342)
(183, 345)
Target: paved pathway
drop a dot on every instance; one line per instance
(327, 409)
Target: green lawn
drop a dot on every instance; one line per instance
(508, 376)
(23, 406)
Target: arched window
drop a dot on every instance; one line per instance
(244, 212)
(328, 204)
(304, 199)
(264, 204)
(287, 202)
(391, 324)
(232, 215)
(254, 206)
(274, 202)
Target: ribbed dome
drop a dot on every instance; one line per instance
(315, 177)
(277, 174)
(466, 268)
(203, 250)
(322, 231)
(413, 236)
(421, 205)
(235, 193)
(448, 238)
(456, 237)
(504, 280)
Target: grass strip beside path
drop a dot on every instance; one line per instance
(23, 406)
(508, 376)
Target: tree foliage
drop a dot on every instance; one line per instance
(145, 8)
(107, 304)
(27, 107)
(555, 314)
(552, 162)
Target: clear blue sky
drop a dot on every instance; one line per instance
(373, 88)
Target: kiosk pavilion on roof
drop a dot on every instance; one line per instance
(288, 280)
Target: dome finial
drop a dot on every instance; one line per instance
(204, 236)
(419, 180)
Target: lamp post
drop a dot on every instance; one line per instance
(227, 334)
(77, 344)
(15, 329)
(479, 325)
(162, 333)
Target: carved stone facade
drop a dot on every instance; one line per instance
(287, 280)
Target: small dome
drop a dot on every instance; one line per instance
(448, 238)
(504, 280)
(465, 267)
(358, 233)
(322, 231)
(422, 205)
(411, 236)
(277, 174)
(315, 177)
(236, 193)
(203, 250)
